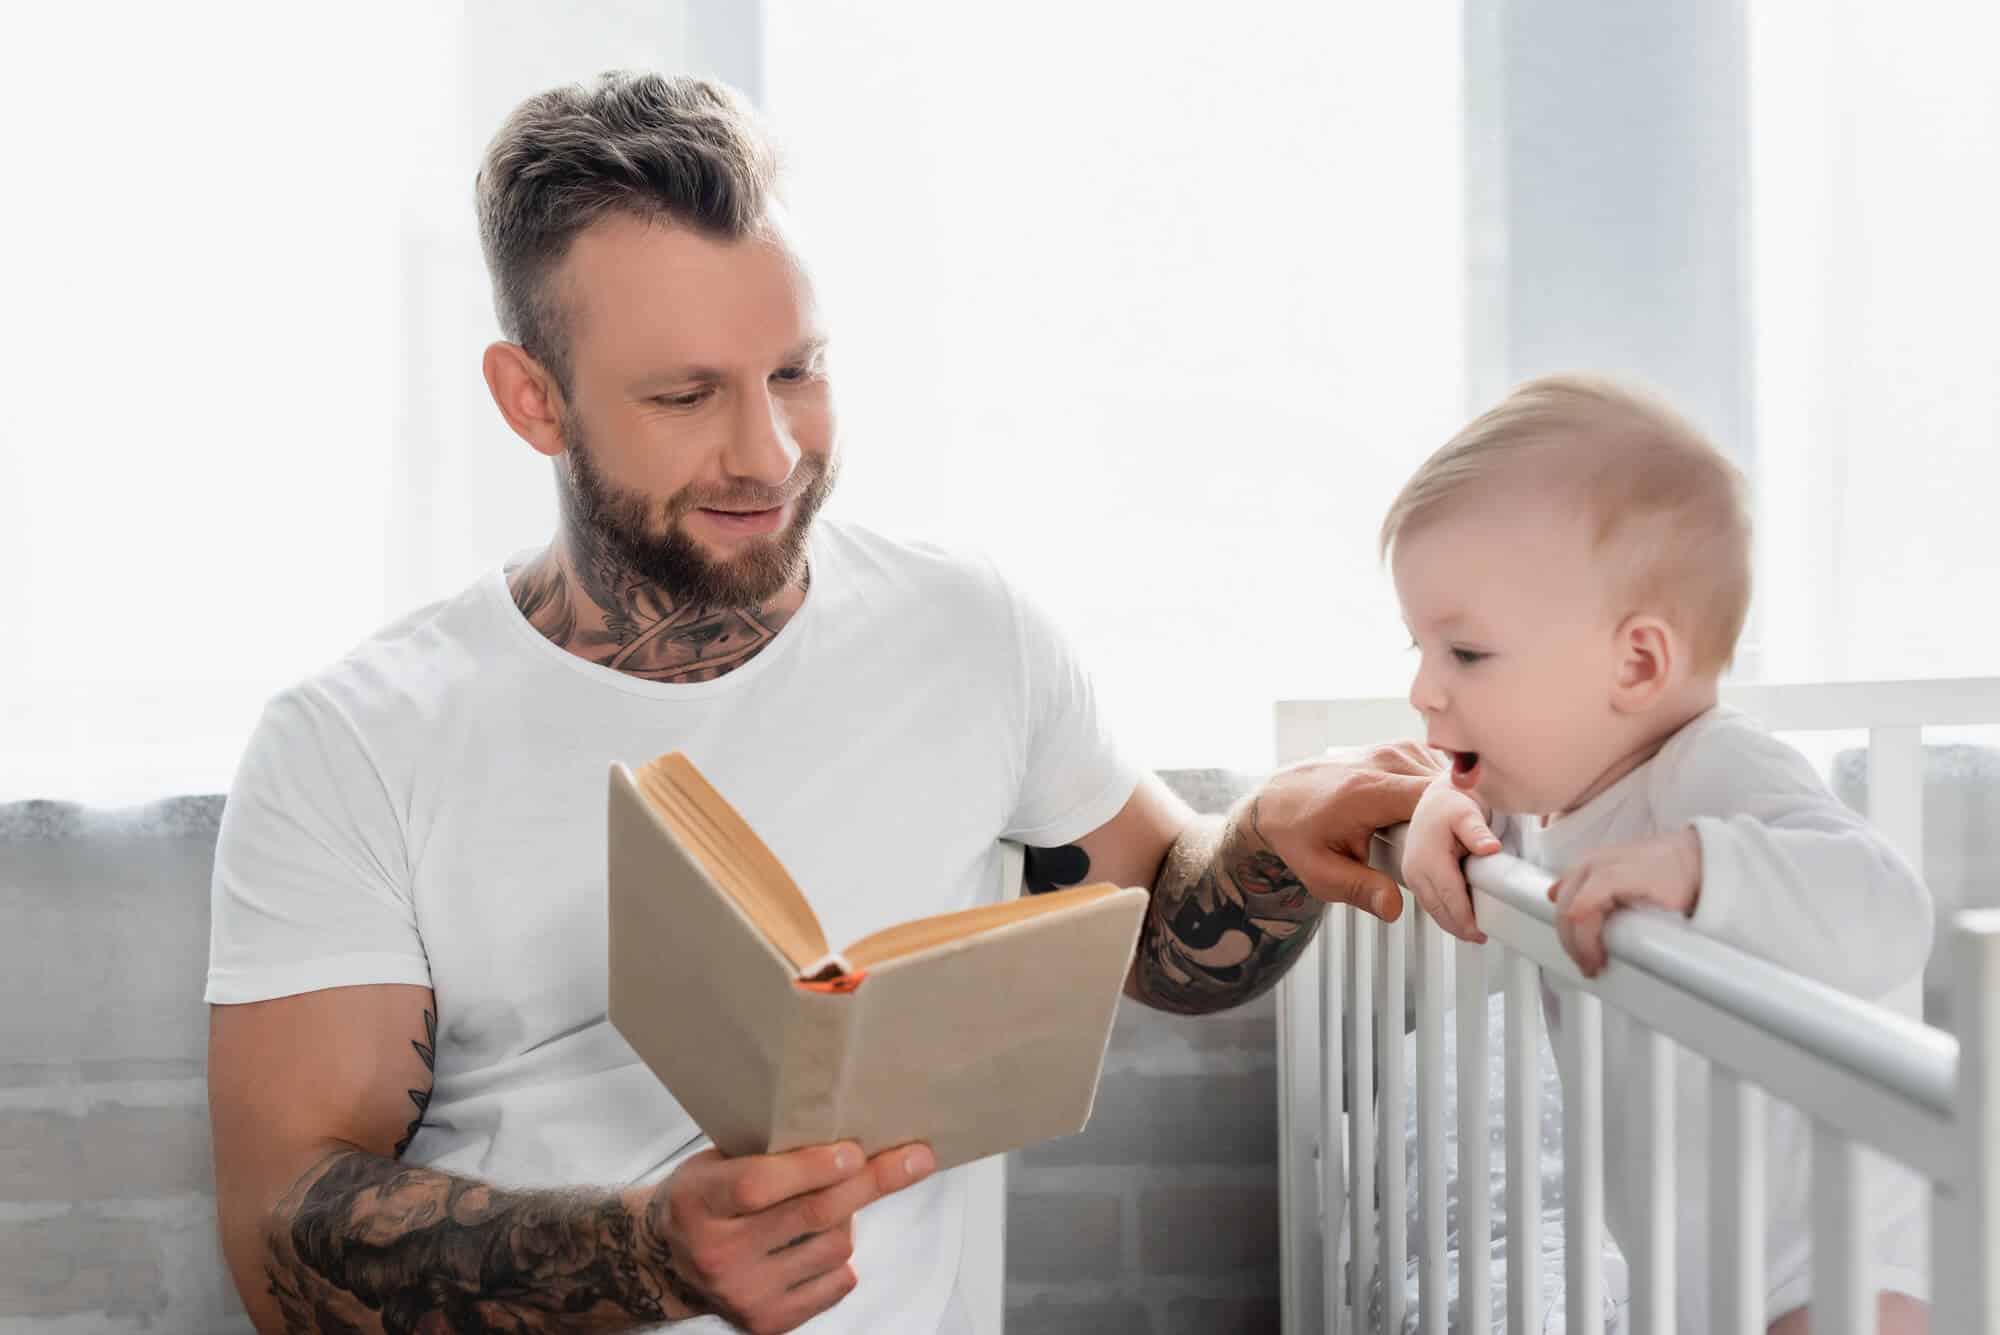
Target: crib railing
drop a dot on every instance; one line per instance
(1864, 1076)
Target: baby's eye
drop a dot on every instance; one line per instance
(1467, 657)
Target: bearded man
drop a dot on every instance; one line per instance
(423, 1120)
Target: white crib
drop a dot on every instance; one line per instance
(1865, 1077)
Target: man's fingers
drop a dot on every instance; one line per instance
(1405, 758)
(755, 1183)
(898, 1168)
(809, 1299)
(1337, 879)
(809, 1258)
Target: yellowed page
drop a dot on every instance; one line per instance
(701, 994)
(907, 938)
(734, 856)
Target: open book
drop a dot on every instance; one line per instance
(977, 1031)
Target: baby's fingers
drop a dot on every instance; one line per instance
(1582, 904)
(1473, 833)
(1443, 894)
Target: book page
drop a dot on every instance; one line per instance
(734, 856)
(910, 937)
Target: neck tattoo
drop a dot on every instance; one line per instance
(602, 611)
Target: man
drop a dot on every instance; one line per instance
(408, 961)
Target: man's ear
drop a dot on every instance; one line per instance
(526, 395)
(1647, 655)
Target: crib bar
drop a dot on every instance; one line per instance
(1583, 1162)
(1360, 1115)
(1395, 1188)
(1736, 1202)
(1524, 1176)
(1432, 1301)
(1652, 1256)
(1896, 789)
(1965, 1236)
(1869, 1103)
(1841, 1302)
(1475, 1214)
(1332, 1132)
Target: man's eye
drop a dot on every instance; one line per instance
(1467, 657)
(794, 375)
(692, 399)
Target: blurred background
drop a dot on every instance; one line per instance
(1156, 304)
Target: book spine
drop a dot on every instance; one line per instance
(809, 1107)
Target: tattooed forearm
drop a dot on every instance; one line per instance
(1227, 918)
(362, 1243)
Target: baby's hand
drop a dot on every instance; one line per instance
(1661, 872)
(1447, 825)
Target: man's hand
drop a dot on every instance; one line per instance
(1661, 872)
(1448, 825)
(765, 1239)
(1318, 816)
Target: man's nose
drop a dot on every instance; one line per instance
(761, 446)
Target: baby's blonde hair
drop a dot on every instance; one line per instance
(1664, 504)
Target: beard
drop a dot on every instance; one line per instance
(640, 536)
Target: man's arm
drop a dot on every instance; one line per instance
(1236, 898)
(325, 1230)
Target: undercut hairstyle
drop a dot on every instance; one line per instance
(1669, 514)
(659, 148)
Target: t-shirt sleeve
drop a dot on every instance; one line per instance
(311, 887)
(1073, 778)
(1788, 872)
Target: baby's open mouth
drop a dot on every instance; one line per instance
(1465, 768)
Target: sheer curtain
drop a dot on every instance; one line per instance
(1158, 305)
(1875, 235)
(244, 312)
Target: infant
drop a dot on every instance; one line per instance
(1574, 570)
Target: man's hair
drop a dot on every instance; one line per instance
(1669, 515)
(674, 149)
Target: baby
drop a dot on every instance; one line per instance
(1574, 569)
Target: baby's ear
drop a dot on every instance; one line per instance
(1647, 654)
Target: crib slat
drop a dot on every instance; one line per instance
(1652, 1254)
(1583, 1162)
(1432, 1300)
(1840, 1299)
(1524, 1116)
(1395, 1193)
(1475, 1214)
(1736, 1202)
(1332, 1132)
(1361, 1115)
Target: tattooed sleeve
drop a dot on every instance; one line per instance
(363, 1243)
(1227, 919)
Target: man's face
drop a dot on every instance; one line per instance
(1510, 616)
(699, 428)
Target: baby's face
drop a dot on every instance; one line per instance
(1517, 649)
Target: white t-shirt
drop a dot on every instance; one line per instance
(1790, 874)
(431, 810)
